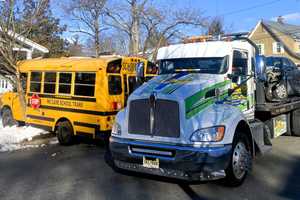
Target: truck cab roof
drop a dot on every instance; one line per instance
(203, 49)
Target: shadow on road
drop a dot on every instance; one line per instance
(190, 192)
(291, 189)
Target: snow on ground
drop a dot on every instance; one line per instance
(11, 138)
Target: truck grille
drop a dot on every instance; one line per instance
(166, 118)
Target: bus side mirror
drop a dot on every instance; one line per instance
(140, 68)
(260, 67)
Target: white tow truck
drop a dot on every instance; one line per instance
(204, 117)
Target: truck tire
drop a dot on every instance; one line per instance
(240, 161)
(7, 118)
(295, 123)
(65, 133)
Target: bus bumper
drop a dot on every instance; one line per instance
(179, 162)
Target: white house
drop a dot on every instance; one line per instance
(24, 45)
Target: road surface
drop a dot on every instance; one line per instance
(80, 172)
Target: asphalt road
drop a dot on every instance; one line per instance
(79, 172)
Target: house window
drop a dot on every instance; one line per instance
(261, 49)
(277, 48)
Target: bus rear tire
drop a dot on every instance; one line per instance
(65, 133)
(7, 118)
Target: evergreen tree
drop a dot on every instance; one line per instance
(46, 29)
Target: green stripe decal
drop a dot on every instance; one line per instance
(195, 103)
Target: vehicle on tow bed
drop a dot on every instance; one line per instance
(204, 117)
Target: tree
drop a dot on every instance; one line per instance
(45, 28)
(162, 25)
(148, 26)
(127, 18)
(89, 15)
(75, 48)
(216, 26)
(11, 32)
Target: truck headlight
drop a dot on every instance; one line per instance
(212, 134)
(116, 129)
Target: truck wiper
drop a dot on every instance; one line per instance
(187, 70)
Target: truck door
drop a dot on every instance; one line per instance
(241, 71)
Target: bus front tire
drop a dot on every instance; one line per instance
(240, 161)
(65, 133)
(7, 118)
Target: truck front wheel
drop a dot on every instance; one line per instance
(240, 161)
(7, 118)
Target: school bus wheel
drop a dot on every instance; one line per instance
(65, 133)
(7, 117)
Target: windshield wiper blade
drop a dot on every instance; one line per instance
(187, 70)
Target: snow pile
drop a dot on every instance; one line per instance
(11, 138)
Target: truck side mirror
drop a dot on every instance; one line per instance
(234, 78)
(260, 67)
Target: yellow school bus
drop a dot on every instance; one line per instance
(73, 96)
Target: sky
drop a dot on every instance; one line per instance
(238, 15)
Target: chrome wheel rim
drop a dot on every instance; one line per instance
(281, 91)
(239, 160)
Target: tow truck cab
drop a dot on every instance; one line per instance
(199, 118)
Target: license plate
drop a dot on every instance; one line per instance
(151, 163)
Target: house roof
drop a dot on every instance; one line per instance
(28, 42)
(288, 29)
(273, 27)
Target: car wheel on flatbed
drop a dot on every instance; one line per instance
(7, 118)
(65, 133)
(240, 161)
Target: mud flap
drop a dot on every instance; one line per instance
(261, 136)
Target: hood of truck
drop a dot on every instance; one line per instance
(194, 93)
(179, 86)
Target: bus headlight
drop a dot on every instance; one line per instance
(212, 134)
(116, 129)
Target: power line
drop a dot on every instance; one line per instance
(250, 8)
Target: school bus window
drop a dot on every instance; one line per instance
(114, 67)
(65, 80)
(49, 82)
(85, 84)
(114, 85)
(132, 83)
(151, 68)
(125, 83)
(24, 81)
(35, 81)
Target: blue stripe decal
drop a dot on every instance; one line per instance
(167, 82)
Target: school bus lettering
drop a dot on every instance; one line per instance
(60, 102)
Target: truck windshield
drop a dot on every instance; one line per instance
(212, 65)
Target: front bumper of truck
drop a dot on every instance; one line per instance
(175, 161)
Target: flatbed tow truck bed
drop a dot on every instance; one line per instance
(277, 108)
